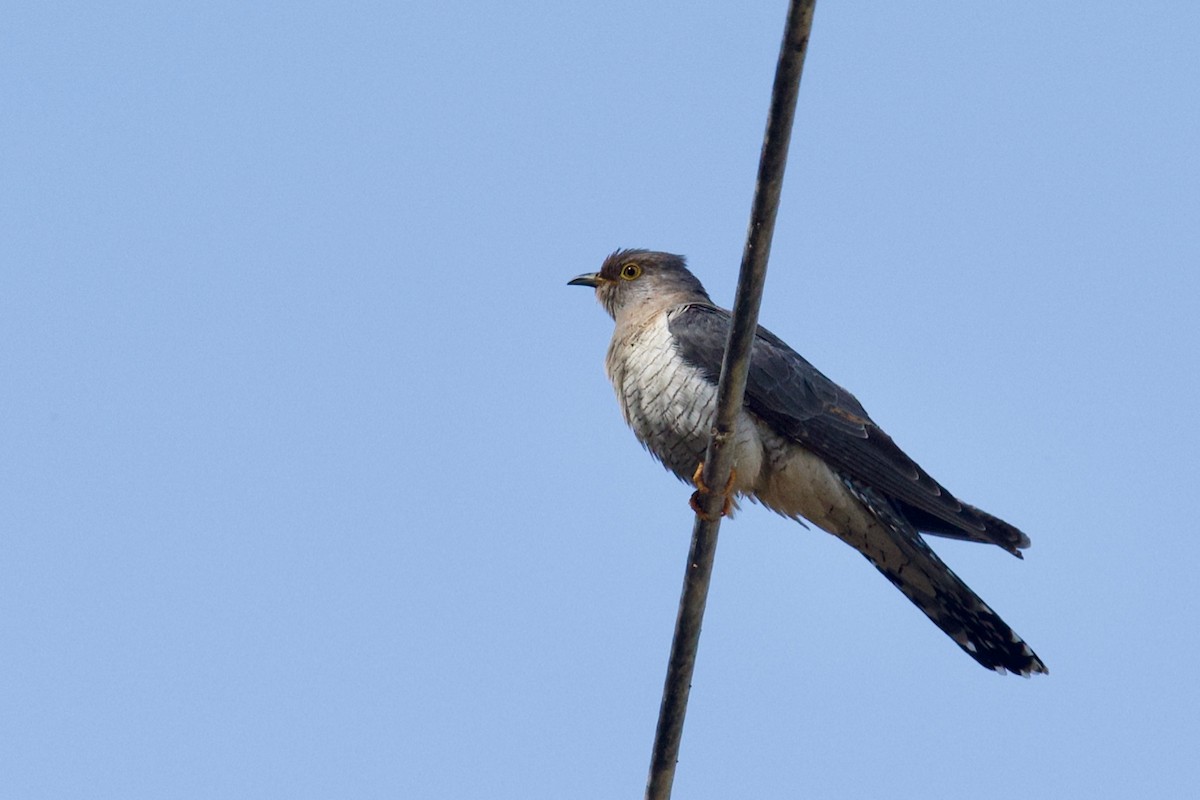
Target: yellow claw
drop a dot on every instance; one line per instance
(694, 501)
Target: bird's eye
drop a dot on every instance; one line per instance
(631, 271)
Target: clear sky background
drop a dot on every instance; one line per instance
(312, 485)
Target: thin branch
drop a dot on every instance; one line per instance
(718, 460)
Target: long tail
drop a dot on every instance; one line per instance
(899, 552)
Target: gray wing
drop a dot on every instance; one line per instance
(799, 402)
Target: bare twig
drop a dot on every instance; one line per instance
(718, 460)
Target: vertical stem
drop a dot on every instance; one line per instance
(718, 459)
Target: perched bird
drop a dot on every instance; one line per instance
(805, 447)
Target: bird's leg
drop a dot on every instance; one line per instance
(694, 502)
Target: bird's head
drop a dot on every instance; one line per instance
(633, 280)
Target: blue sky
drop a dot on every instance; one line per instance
(311, 483)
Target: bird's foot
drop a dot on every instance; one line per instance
(694, 502)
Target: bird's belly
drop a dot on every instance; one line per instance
(797, 483)
(670, 406)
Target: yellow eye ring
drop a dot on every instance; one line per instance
(631, 271)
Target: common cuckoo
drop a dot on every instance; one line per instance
(804, 446)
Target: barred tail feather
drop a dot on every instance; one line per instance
(899, 552)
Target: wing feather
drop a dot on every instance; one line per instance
(800, 402)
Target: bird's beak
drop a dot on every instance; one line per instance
(586, 279)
